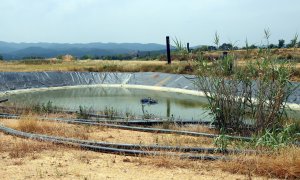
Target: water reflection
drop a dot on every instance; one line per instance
(169, 104)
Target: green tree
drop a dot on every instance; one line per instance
(226, 46)
(252, 46)
(1, 57)
(85, 57)
(60, 57)
(293, 43)
(202, 48)
(272, 46)
(281, 43)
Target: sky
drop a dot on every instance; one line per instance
(148, 21)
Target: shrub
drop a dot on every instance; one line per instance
(45, 108)
(110, 112)
(222, 141)
(83, 113)
(257, 91)
(281, 43)
(278, 138)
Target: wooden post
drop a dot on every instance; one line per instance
(168, 108)
(168, 49)
(188, 47)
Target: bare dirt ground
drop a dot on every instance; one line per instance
(29, 159)
(46, 161)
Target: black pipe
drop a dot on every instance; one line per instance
(3, 100)
(144, 129)
(59, 140)
(153, 147)
(143, 122)
(134, 128)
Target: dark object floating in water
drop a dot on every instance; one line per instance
(3, 100)
(148, 101)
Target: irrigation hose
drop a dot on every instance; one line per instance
(98, 148)
(147, 122)
(134, 128)
(153, 147)
(143, 129)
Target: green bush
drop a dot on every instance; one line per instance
(277, 138)
(281, 43)
(257, 91)
(45, 108)
(222, 141)
(83, 113)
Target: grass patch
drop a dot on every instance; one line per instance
(177, 67)
(32, 125)
(19, 148)
(284, 164)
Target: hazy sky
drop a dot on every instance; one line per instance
(147, 21)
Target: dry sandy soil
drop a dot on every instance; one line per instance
(47, 161)
(29, 159)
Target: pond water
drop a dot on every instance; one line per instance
(180, 106)
(124, 100)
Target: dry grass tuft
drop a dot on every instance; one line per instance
(180, 140)
(97, 66)
(33, 125)
(18, 148)
(193, 128)
(179, 67)
(168, 162)
(29, 125)
(283, 164)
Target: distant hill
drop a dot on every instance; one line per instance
(48, 50)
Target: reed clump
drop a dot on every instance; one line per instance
(256, 92)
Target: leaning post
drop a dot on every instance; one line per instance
(168, 49)
(188, 47)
